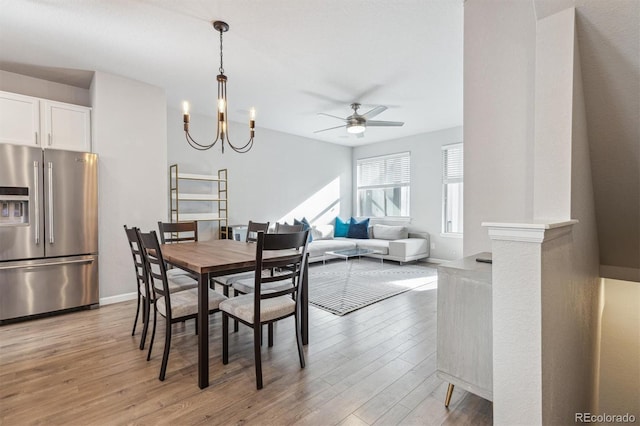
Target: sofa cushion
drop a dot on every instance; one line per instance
(322, 232)
(389, 232)
(305, 226)
(341, 227)
(357, 229)
(380, 246)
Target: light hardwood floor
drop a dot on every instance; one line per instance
(373, 366)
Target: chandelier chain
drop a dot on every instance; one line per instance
(221, 69)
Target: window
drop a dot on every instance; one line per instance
(384, 185)
(452, 188)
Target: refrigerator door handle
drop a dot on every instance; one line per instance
(38, 265)
(36, 201)
(50, 167)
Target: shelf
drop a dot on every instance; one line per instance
(217, 202)
(186, 217)
(197, 197)
(194, 176)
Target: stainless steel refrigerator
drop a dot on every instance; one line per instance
(48, 230)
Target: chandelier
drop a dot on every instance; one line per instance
(222, 132)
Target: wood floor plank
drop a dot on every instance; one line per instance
(373, 366)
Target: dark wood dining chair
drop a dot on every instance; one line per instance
(173, 306)
(177, 282)
(178, 232)
(143, 300)
(252, 236)
(253, 228)
(285, 228)
(275, 297)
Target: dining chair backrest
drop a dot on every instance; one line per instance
(291, 267)
(178, 232)
(138, 258)
(253, 228)
(156, 271)
(284, 228)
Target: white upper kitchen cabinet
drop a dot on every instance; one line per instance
(65, 126)
(26, 120)
(19, 119)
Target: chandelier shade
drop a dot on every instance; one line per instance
(222, 132)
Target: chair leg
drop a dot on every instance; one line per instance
(257, 337)
(447, 399)
(235, 322)
(135, 321)
(299, 341)
(270, 328)
(225, 338)
(153, 333)
(167, 346)
(145, 321)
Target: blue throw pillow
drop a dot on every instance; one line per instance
(305, 226)
(341, 228)
(358, 229)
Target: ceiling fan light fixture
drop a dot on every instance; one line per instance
(355, 129)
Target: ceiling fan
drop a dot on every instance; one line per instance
(357, 123)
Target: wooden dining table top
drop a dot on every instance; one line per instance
(217, 256)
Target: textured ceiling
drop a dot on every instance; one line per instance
(289, 59)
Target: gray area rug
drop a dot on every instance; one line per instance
(341, 287)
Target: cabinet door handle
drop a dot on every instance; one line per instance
(36, 137)
(50, 139)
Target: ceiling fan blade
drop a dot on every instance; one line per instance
(332, 116)
(375, 111)
(377, 123)
(330, 128)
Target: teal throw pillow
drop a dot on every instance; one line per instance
(306, 226)
(358, 229)
(341, 228)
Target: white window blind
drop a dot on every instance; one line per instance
(384, 185)
(388, 170)
(452, 167)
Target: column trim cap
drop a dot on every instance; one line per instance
(533, 232)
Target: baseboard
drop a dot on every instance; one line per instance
(434, 260)
(118, 298)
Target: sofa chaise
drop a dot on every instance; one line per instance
(391, 242)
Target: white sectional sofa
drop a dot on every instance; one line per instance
(392, 243)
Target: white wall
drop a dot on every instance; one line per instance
(129, 136)
(29, 86)
(426, 183)
(499, 65)
(282, 177)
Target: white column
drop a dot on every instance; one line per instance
(527, 257)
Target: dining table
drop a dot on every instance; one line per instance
(206, 259)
